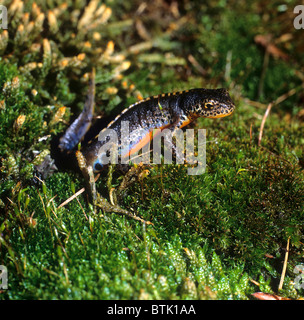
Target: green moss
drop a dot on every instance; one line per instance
(220, 235)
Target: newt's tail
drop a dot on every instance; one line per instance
(81, 125)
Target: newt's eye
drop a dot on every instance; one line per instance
(208, 105)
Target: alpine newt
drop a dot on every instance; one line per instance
(170, 110)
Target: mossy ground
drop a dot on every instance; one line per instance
(220, 235)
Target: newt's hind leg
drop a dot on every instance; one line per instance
(136, 173)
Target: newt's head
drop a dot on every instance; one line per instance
(212, 103)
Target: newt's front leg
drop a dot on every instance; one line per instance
(96, 199)
(87, 172)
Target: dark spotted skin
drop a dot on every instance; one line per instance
(171, 110)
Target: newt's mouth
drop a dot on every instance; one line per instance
(222, 115)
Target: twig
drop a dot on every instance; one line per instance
(263, 122)
(276, 102)
(256, 104)
(284, 266)
(71, 198)
(254, 282)
(196, 64)
(284, 96)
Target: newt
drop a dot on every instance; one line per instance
(169, 110)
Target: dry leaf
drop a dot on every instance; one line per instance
(268, 296)
(266, 42)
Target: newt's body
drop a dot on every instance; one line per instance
(171, 110)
